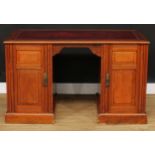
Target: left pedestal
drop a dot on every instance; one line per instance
(28, 99)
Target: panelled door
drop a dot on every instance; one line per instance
(123, 90)
(29, 69)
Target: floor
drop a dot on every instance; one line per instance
(77, 114)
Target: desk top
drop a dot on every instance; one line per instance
(76, 36)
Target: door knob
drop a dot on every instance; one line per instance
(107, 80)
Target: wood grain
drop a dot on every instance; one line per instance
(24, 118)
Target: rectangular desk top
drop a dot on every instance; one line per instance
(76, 36)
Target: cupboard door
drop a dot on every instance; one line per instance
(124, 73)
(28, 70)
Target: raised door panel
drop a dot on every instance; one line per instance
(27, 59)
(29, 68)
(123, 87)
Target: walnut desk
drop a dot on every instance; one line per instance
(123, 74)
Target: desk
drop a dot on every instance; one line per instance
(123, 74)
